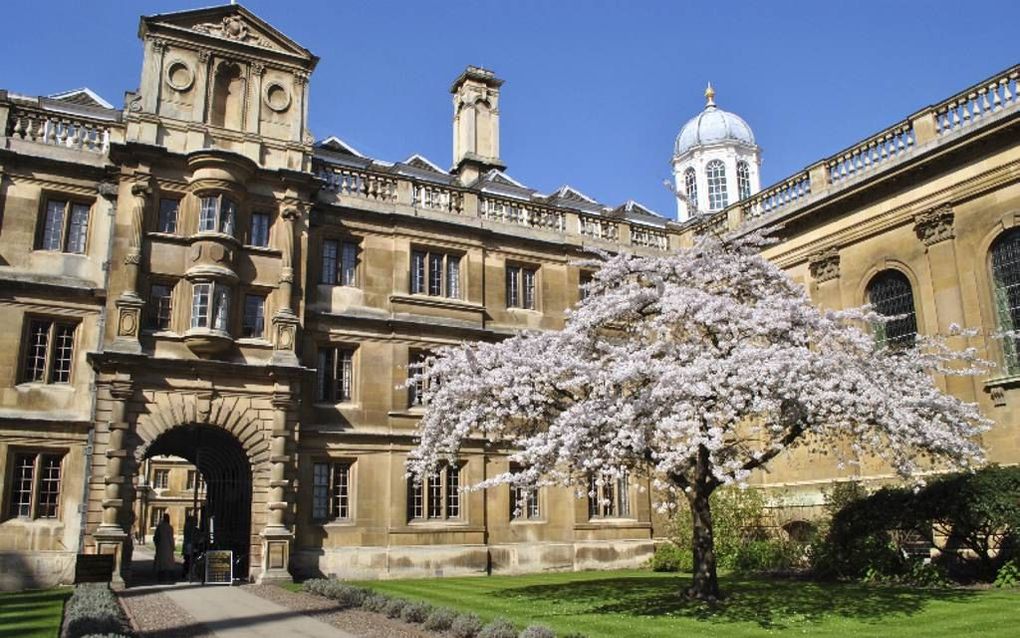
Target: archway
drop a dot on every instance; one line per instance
(227, 475)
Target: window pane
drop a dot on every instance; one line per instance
(35, 353)
(320, 491)
(623, 497)
(21, 494)
(254, 316)
(349, 264)
(341, 490)
(345, 375)
(743, 180)
(161, 479)
(159, 306)
(329, 264)
(259, 229)
(513, 286)
(435, 492)
(528, 277)
(1006, 275)
(63, 353)
(608, 501)
(207, 213)
(53, 225)
(415, 390)
(167, 222)
(435, 273)
(200, 306)
(717, 197)
(453, 276)
(78, 229)
(452, 491)
(228, 210)
(417, 496)
(221, 310)
(691, 184)
(417, 272)
(891, 295)
(325, 374)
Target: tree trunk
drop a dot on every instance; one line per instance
(706, 582)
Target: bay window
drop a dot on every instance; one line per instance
(216, 214)
(210, 306)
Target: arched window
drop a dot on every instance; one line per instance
(1006, 282)
(891, 295)
(691, 184)
(743, 180)
(716, 173)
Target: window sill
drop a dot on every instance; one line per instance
(215, 235)
(35, 522)
(437, 302)
(258, 342)
(528, 521)
(346, 405)
(326, 284)
(527, 310)
(29, 385)
(345, 523)
(59, 252)
(264, 250)
(159, 234)
(610, 523)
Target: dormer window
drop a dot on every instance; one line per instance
(217, 214)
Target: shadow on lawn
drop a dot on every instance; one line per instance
(774, 604)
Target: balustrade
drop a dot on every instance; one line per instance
(779, 195)
(978, 102)
(889, 145)
(437, 198)
(522, 214)
(648, 237)
(599, 228)
(357, 183)
(60, 130)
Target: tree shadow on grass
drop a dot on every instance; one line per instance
(772, 604)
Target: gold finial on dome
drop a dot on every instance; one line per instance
(709, 95)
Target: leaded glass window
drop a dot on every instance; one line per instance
(1006, 281)
(715, 171)
(49, 351)
(435, 273)
(331, 491)
(34, 490)
(437, 496)
(891, 295)
(743, 180)
(65, 227)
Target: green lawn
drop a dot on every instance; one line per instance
(32, 614)
(646, 604)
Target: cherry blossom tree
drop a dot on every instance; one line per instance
(695, 369)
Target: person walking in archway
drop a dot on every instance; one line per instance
(164, 541)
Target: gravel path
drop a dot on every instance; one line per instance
(154, 615)
(356, 621)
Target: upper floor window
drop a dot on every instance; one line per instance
(331, 491)
(417, 361)
(253, 324)
(217, 214)
(524, 504)
(1006, 284)
(435, 273)
(715, 171)
(160, 306)
(691, 185)
(49, 351)
(210, 306)
(193, 478)
(437, 496)
(891, 295)
(339, 262)
(335, 374)
(258, 234)
(168, 213)
(743, 180)
(161, 479)
(520, 287)
(608, 497)
(584, 283)
(34, 490)
(65, 226)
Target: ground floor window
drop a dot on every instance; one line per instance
(608, 497)
(34, 490)
(524, 504)
(331, 491)
(437, 496)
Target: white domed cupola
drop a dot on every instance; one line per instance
(716, 161)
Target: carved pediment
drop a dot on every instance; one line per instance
(232, 23)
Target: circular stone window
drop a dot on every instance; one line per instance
(277, 97)
(179, 76)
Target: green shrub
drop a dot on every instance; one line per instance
(498, 628)
(537, 631)
(466, 626)
(768, 555)
(395, 607)
(738, 515)
(415, 612)
(376, 603)
(1009, 574)
(93, 609)
(440, 619)
(670, 558)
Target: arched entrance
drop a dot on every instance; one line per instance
(227, 475)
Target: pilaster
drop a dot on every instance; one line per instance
(278, 534)
(111, 537)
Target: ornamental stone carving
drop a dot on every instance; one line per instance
(233, 28)
(935, 225)
(824, 265)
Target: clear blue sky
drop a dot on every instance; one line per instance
(595, 91)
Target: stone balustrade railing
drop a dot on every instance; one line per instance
(357, 183)
(511, 211)
(57, 129)
(978, 102)
(648, 237)
(783, 194)
(431, 197)
(598, 228)
(889, 145)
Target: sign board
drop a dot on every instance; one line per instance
(93, 568)
(219, 567)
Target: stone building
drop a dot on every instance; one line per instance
(194, 276)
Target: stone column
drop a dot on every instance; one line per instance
(935, 229)
(278, 534)
(111, 537)
(130, 303)
(285, 321)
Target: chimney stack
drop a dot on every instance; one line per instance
(475, 123)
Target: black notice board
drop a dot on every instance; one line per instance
(219, 567)
(93, 568)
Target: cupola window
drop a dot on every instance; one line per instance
(743, 180)
(716, 173)
(691, 185)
